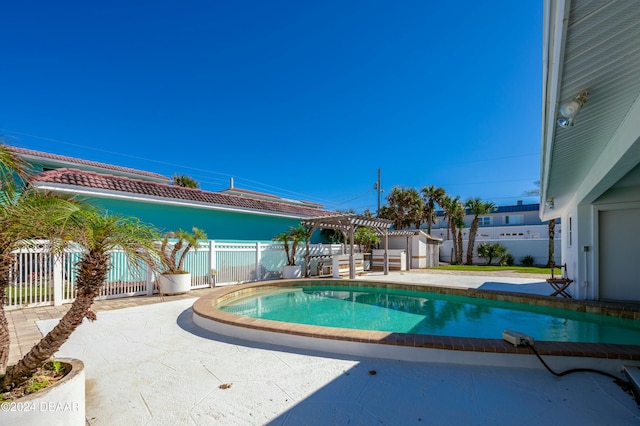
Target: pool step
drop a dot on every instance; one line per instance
(633, 373)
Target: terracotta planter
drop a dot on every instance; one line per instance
(60, 404)
(291, 272)
(174, 283)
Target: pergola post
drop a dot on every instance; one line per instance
(386, 251)
(307, 257)
(352, 263)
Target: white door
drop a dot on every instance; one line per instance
(619, 248)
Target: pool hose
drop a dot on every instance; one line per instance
(573, 370)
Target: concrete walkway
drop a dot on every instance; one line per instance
(149, 364)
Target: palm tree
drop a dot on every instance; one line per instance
(11, 168)
(477, 207)
(456, 230)
(44, 215)
(98, 234)
(431, 196)
(415, 208)
(365, 237)
(175, 264)
(404, 209)
(294, 236)
(446, 204)
(491, 250)
(454, 214)
(185, 181)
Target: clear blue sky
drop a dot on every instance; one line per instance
(300, 99)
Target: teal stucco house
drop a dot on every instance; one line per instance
(230, 215)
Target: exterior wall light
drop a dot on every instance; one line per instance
(570, 109)
(550, 204)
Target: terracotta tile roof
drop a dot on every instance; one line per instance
(56, 157)
(255, 194)
(100, 181)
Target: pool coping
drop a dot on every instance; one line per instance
(205, 308)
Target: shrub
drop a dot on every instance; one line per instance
(507, 260)
(528, 261)
(490, 251)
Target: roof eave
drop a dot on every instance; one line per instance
(83, 191)
(556, 17)
(94, 168)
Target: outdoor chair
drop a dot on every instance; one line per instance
(560, 285)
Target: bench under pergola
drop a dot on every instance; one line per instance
(347, 223)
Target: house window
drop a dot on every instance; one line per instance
(513, 219)
(484, 221)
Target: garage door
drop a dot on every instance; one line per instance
(619, 246)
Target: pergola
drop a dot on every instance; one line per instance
(347, 223)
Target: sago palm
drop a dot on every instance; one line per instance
(98, 235)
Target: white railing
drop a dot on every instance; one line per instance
(39, 279)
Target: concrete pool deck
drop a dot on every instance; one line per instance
(149, 364)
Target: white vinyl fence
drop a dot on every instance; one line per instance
(519, 248)
(39, 278)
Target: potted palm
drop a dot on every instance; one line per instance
(366, 238)
(291, 239)
(174, 279)
(27, 215)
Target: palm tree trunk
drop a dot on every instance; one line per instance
(92, 272)
(551, 261)
(5, 339)
(459, 256)
(454, 240)
(4, 334)
(472, 240)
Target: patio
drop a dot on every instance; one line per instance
(147, 363)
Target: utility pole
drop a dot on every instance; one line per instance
(379, 188)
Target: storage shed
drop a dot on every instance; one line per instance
(414, 249)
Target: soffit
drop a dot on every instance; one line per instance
(601, 53)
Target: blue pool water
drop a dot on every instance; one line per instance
(416, 312)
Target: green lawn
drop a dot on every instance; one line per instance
(24, 294)
(484, 268)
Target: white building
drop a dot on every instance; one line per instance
(517, 227)
(590, 167)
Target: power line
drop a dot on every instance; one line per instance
(260, 184)
(262, 187)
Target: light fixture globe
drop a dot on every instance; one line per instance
(570, 109)
(565, 122)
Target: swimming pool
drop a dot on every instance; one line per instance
(418, 312)
(410, 346)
